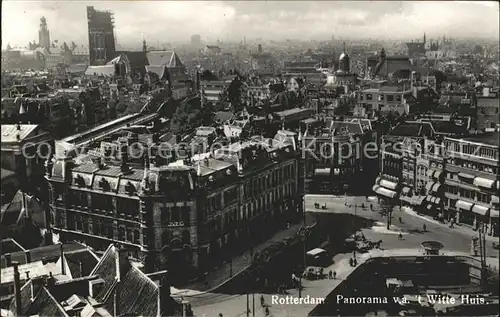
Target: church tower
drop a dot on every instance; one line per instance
(43, 34)
(344, 62)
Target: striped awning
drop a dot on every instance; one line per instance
(481, 210)
(464, 205)
(433, 199)
(484, 182)
(388, 184)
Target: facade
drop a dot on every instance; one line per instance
(385, 99)
(180, 216)
(444, 177)
(471, 181)
(488, 116)
(101, 36)
(333, 154)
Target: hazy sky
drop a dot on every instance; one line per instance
(172, 21)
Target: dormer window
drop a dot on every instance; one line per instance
(104, 184)
(130, 188)
(79, 181)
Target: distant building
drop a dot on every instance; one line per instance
(383, 66)
(44, 34)
(196, 40)
(416, 48)
(386, 99)
(101, 36)
(212, 50)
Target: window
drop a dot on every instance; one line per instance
(137, 237)
(390, 98)
(121, 233)
(175, 215)
(369, 97)
(398, 98)
(165, 214)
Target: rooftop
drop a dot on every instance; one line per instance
(12, 133)
(489, 138)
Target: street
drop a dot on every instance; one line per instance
(456, 239)
(453, 239)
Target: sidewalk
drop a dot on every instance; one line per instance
(221, 274)
(461, 228)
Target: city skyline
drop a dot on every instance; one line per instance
(272, 20)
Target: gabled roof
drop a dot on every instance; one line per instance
(14, 211)
(137, 293)
(159, 70)
(166, 58)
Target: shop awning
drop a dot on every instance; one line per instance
(437, 174)
(406, 199)
(406, 190)
(430, 173)
(481, 210)
(385, 192)
(463, 205)
(417, 200)
(435, 187)
(322, 171)
(494, 213)
(464, 175)
(375, 187)
(484, 182)
(495, 199)
(428, 186)
(387, 184)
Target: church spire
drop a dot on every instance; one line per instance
(424, 38)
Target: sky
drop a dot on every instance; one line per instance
(176, 21)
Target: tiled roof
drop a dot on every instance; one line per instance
(86, 257)
(46, 305)
(138, 294)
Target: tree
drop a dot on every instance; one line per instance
(388, 207)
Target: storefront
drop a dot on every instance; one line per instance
(464, 213)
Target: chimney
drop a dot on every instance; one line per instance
(61, 254)
(8, 260)
(27, 253)
(18, 126)
(163, 295)
(123, 148)
(27, 276)
(17, 288)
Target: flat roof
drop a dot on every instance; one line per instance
(489, 138)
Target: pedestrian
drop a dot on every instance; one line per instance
(334, 275)
(267, 311)
(262, 300)
(330, 275)
(400, 237)
(354, 262)
(424, 227)
(371, 207)
(351, 262)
